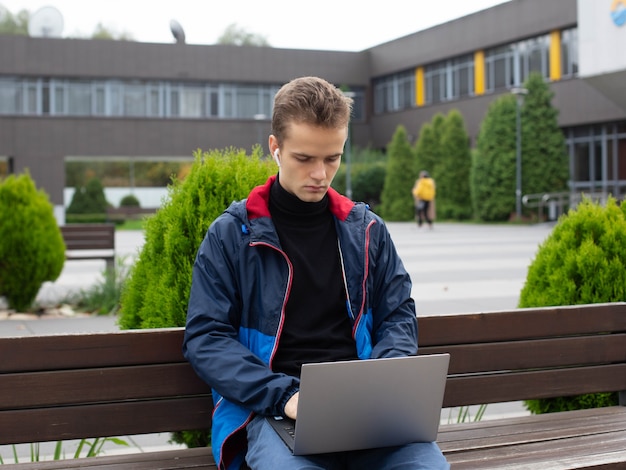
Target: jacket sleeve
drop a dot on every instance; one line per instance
(394, 319)
(212, 334)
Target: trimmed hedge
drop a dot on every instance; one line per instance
(583, 261)
(32, 250)
(157, 290)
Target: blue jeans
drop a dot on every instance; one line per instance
(267, 451)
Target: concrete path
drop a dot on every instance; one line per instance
(455, 268)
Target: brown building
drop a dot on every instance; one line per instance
(63, 99)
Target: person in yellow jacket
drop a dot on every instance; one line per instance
(424, 197)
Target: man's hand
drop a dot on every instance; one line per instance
(291, 407)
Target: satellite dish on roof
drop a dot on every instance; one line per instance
(47, 22)
(177, 31)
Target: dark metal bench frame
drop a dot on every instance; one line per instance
(79, 238)
(135, 382)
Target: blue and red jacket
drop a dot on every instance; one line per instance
(241, 283)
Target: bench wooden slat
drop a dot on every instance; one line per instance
(527, 324)
(501, 432)
(199, 458)
(105, 385)
(130, 347)
(532, 354)
(558, 453)
(105, 420)
(481, 389)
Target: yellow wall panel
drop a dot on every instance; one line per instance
(555, 55)
(420, 98)
(479, 73)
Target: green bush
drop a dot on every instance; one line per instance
(130, 200)
(583, 261)
(492, 174)
(368, 180)
(88, 199)
(32, 250)
(452, 173)
(157, 289)
(396, 198)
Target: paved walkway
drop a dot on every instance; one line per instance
(455, 268)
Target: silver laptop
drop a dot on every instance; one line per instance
(354, 405)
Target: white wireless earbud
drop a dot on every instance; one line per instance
(276, 157)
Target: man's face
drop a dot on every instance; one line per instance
(309, 159)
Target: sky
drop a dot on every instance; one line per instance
(348, 25)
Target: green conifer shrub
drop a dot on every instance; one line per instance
(396, 199)
(32, 250)
(492, 174)
(545, 162)
(156, 293)
(130, 200)
(157, 289)
(453, 170)
(583, 261)
(427, 154)
(368, 180)
(88, 199)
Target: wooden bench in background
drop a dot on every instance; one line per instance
(134, 382)
(90, 241)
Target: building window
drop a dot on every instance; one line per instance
(450, 79)
(569, 52)
(598, 158)
(393, 93)
(510, 65)
(500, 67)
(78, 99)
(435, 83)
(10, 96)
(137, 98)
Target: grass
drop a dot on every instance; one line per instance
(103, 298)
(464, 416)
(86, 448)
(131, 225)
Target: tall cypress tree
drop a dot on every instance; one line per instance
(545, 163)
(453, 170)
(492, 177)
(396, 197)
(426, 149)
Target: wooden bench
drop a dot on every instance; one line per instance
(133, 382)
(90, 241)
(76, 386)
(529, 354)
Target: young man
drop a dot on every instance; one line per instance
(296, 273)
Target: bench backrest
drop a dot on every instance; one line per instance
(529, 353)
(95, 385)
(88, 236)
(134, 382)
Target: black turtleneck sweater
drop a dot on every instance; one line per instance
(316, 327)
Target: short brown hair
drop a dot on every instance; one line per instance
(310, 100)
